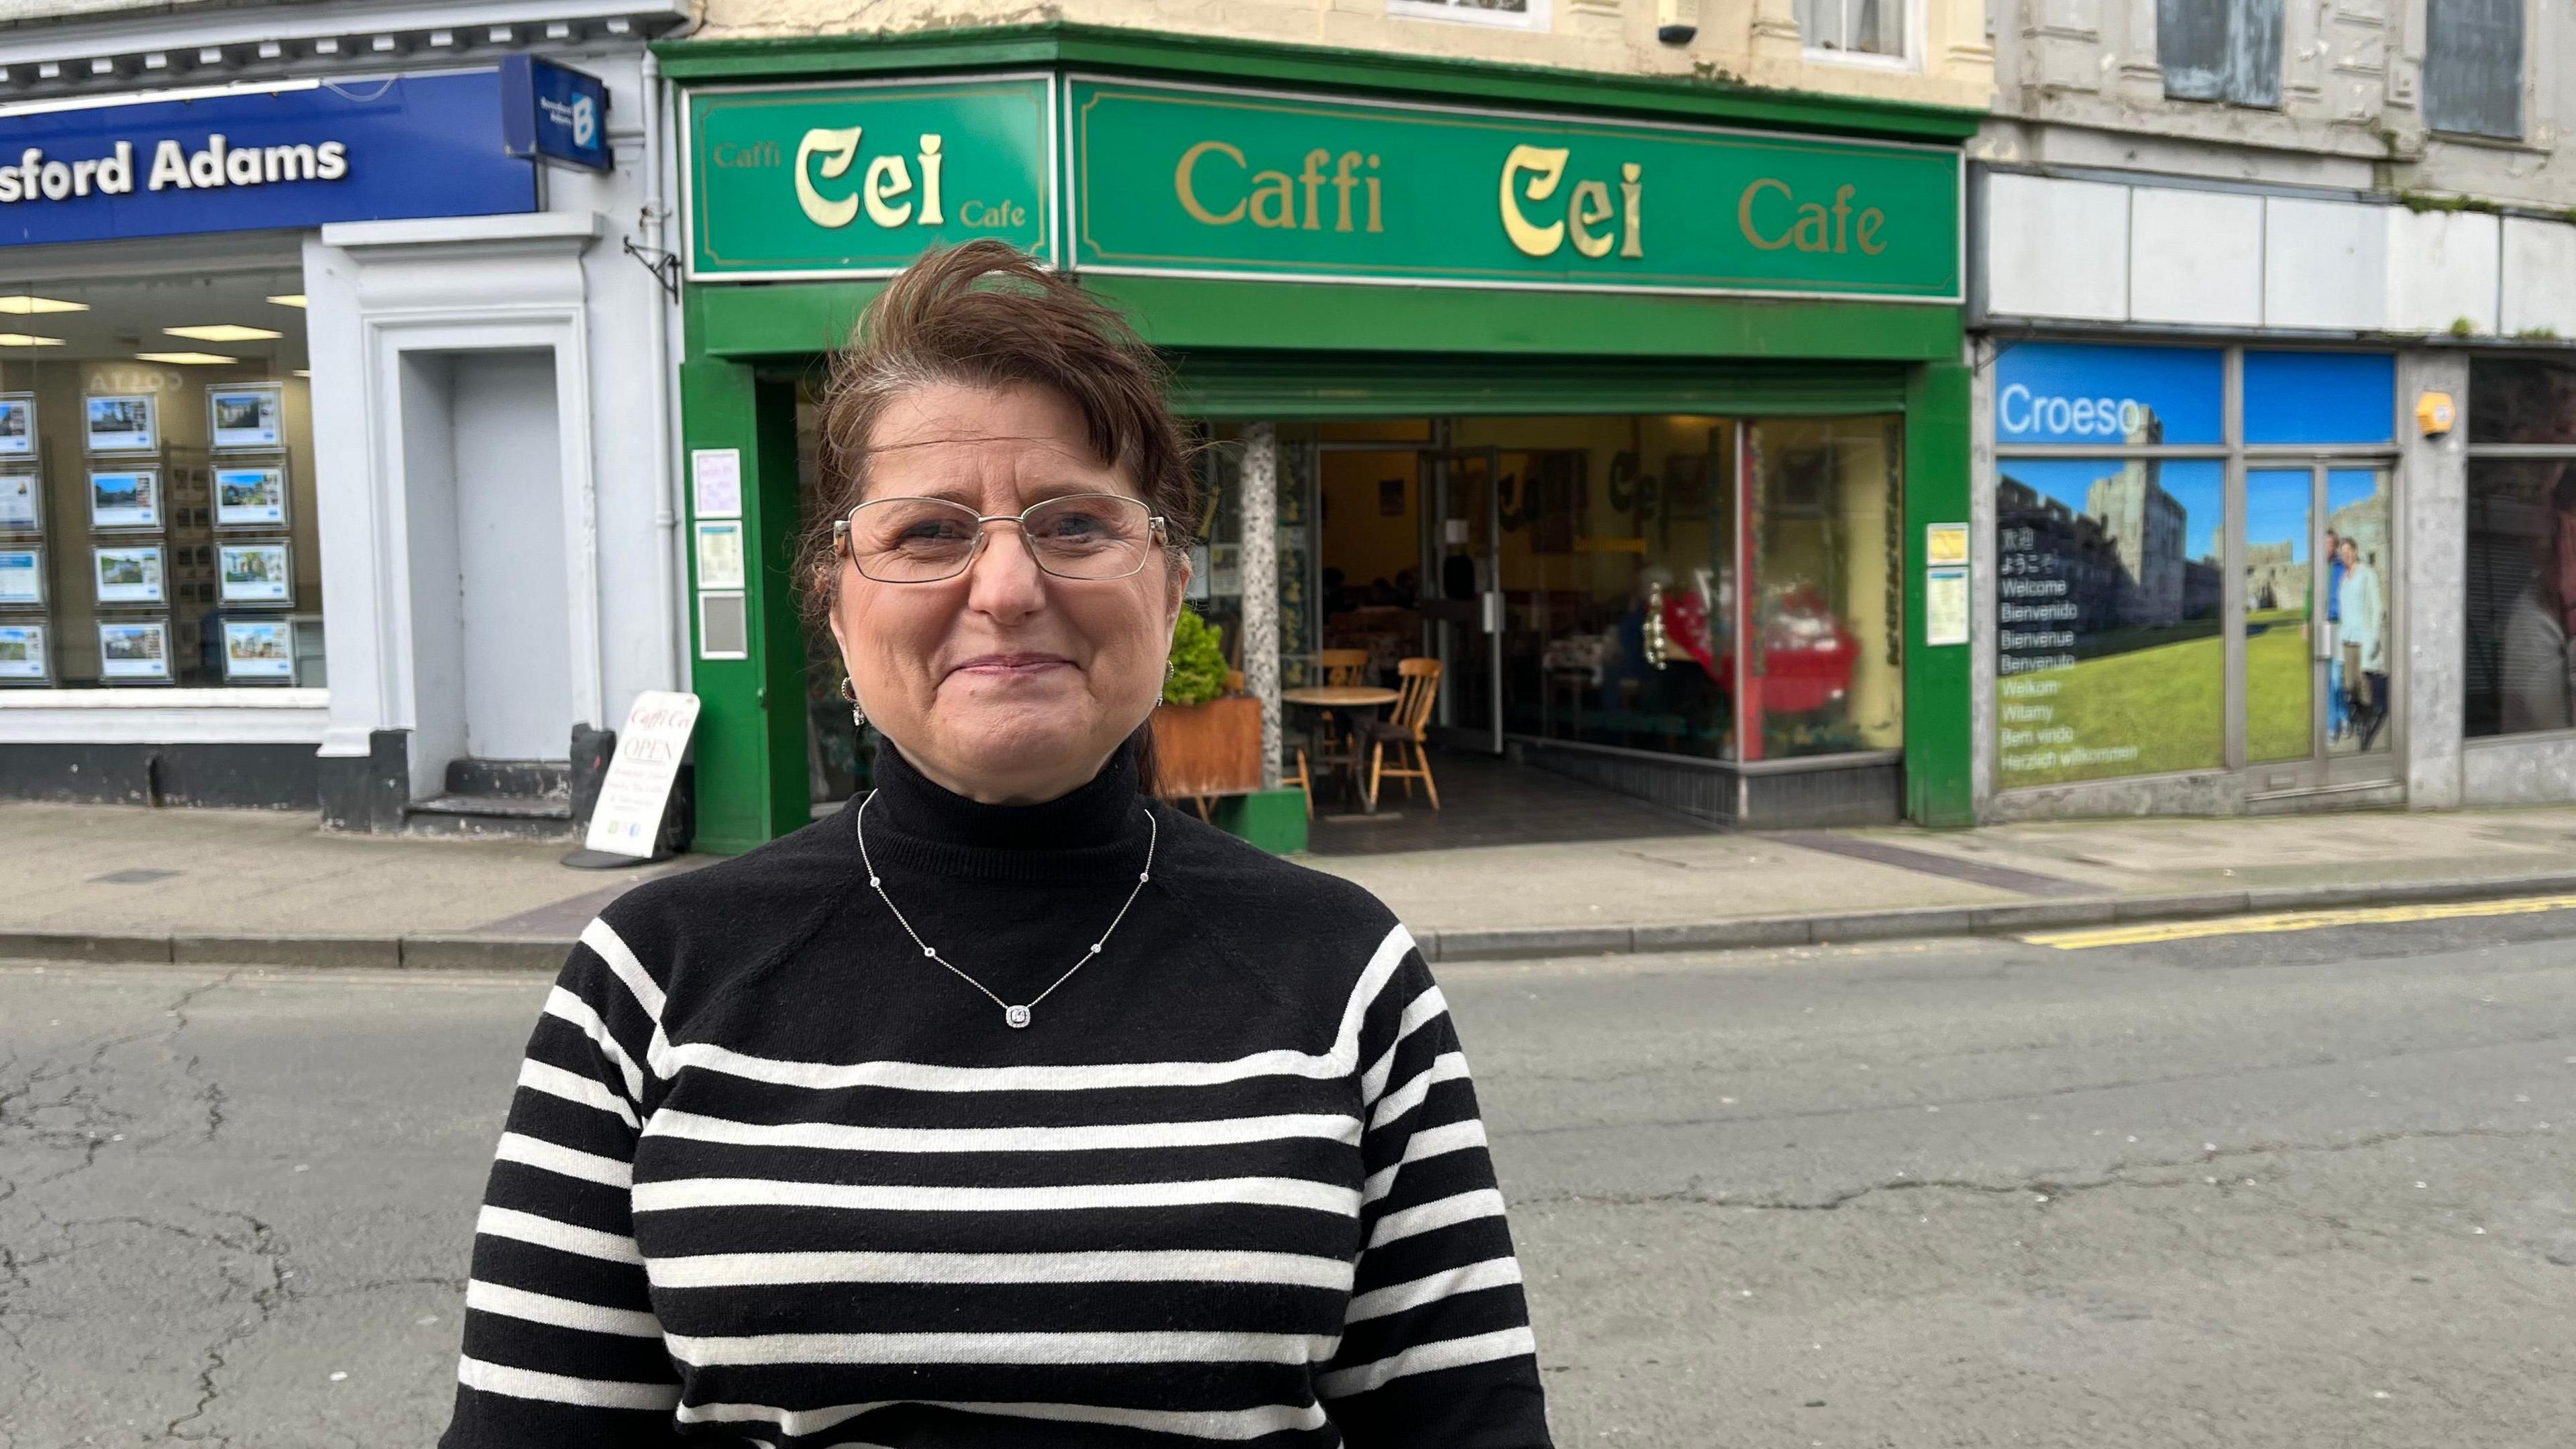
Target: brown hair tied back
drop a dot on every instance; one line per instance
(985, 315)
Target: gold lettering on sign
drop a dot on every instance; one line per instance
(931, 161)
(886, 180)
(1312, 178)
(1345, 177)
(1744, 214)
(1632, 191)
(1587, 206)
(1591, 207)
(1190, 202)
(1273, 200)
(1546, 167)
(838, 148)
(1280, 195)
(1815, 227)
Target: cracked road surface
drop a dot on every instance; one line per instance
(2241, 1191)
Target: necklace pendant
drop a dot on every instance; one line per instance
(1016, 1015)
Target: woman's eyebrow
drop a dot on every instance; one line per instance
(1037, 493)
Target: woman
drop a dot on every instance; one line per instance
(1004, 1107)
(2363, 610)
(2532, 681)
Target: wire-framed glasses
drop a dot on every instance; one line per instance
(1088, 536)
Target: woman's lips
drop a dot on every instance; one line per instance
(1011, 666)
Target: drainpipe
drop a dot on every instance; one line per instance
(670, 565)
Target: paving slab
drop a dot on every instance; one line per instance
(129, 869)
(127, 883)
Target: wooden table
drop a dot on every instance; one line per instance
(1339, 696)
(1358, 704)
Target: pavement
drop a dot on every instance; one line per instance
(184, 886)
(2251, 1192)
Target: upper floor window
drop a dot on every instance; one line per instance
(2220, 50)
(1857, 27)
(1511, 14)
(2473, 67)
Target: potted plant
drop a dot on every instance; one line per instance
(1207, 741)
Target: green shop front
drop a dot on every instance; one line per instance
(1639, 405)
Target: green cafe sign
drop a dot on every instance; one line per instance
(857, 180)
(1187, 181)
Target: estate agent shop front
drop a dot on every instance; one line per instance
(327, 423)
(1647, 418)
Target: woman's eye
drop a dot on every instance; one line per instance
(1074, 527)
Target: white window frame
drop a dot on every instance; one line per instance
(1540, 17)
(1910, 60)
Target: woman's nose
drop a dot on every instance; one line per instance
(1005, 578)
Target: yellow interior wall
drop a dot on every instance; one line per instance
(1599, 566)
(1363, 543)
(1377, 430)
(1795, 549)
(1861, 492)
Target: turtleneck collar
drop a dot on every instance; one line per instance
(1096, 829)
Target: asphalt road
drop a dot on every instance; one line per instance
(2309, 1189)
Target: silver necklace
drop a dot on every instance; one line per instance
(1017, 1016)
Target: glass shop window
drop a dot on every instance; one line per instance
(2520, 571)
(1619, 576)
(156, 484)
(1825, 662)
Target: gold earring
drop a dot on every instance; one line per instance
(850, 696)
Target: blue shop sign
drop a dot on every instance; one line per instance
(2080, 392)
(2320, 397)
(298, 154)
(553, 112)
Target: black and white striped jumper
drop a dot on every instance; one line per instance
(771, 1177)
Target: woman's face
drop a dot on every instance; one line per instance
(1005, 684)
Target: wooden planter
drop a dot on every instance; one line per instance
(1208, 749)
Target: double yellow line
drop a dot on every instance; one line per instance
(2144, 935)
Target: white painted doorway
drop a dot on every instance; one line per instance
(510, 546)
(491, 626)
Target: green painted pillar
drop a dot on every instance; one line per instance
(748, 668)
(1939, 732)
(1275, 820)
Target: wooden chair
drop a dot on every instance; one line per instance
(1304, 785)
(1338, 667)
(1417, 688)
(1342, 666)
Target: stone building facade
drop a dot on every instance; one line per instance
(2311, 224)
(1936, 51)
